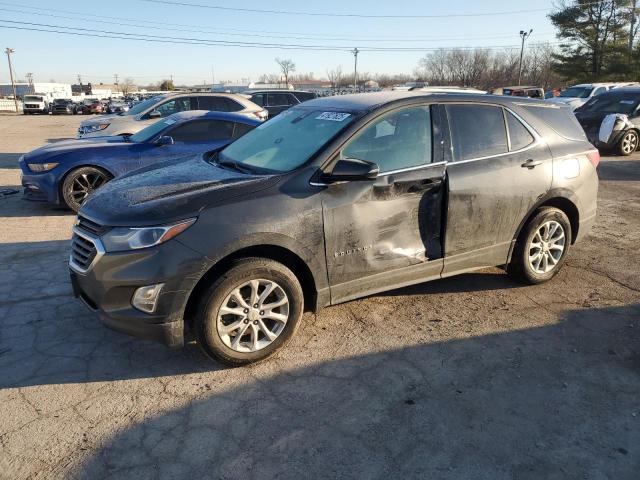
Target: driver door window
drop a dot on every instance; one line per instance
(398, 140)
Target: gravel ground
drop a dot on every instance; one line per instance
(468, 377)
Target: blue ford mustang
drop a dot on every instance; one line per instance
(65, 173)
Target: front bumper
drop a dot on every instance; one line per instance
(40, 187)
(108, 287)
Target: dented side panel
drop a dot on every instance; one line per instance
(392, 223)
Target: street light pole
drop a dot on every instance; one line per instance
(524, 35)
(9, 51)
(355, 69)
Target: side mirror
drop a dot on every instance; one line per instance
(352, 169)
(154, 114)
(164, 140)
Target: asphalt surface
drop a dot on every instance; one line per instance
(469, 377)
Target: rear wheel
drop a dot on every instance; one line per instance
(542, 247)
(79, 183)
(628, 143)
(250, 312)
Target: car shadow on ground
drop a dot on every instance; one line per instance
(480, 407)
(14, 205)
(10, 160)
(619, 170)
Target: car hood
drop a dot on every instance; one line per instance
(112, 118)
(69, 146)
(169, 191)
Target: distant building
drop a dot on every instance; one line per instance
(53, 90)
(311, 84)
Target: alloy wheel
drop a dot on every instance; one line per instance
(629, 142)
(253, 315)
(546, 247)
(84, 184)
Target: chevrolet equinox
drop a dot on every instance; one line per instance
(331, 200)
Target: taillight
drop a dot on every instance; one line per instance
(594, 157)
(262, 114)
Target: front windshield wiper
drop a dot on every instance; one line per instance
(233, 165)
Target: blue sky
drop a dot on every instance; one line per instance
(62, 57)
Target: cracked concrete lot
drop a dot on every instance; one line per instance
(470, 377)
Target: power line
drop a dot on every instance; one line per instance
(348, 15)
(281, 35)
(84, 32)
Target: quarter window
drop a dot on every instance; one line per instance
(519, 136)
(476, 131)
(213, 104)
(398, 140)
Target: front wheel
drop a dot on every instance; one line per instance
(542, 247)
(249, 312)
(628, 143)
(79, 183)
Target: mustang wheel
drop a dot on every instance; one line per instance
(79, 183)
(249, 312)
(628, 143)
(542, 246)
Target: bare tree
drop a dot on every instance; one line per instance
(126, 86)
(286, 67)
(335, 77)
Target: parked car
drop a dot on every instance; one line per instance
(578, 95)
(277, 101)
(62, 106)
(520, 91)
(117, 107)
(449, 89)
(90, 107)
(334, 199)
(625, 137)
(149, 111)
(65, 173)
(32, 104)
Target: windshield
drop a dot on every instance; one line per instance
(152, 130)
(616, 103)
(576, 92)
(286, 141)
(32, 98)
(142, 106)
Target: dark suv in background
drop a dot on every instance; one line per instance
(277, 101)
(332, 200)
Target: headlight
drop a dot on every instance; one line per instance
(128, 238)
(94, 128)
(41, 167)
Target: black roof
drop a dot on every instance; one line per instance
(373, 100)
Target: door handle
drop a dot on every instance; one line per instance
(530, 164)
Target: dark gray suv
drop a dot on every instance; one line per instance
(332, 200)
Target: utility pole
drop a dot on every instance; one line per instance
(115, 77)
(79, 79)
(9, 51)
(30, 81)
(213, 78)
(524, 35)
(355, 69)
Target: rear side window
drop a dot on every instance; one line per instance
(241, 129)
(278, 100)
(560, 119)
(519, 136)
(476, 131)
(258, 99)
(233, 106)
(202, 131)
(215, 104)
(304, 96)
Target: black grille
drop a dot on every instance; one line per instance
(91, 227)
(83, 251)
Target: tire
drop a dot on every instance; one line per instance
(250, 321)
(628, 143)
(540, 252)
(83, 180)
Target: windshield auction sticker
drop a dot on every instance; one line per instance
(333, 116)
